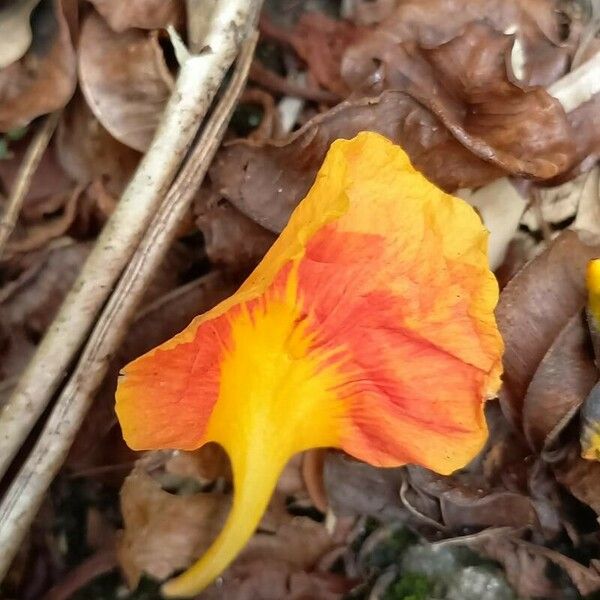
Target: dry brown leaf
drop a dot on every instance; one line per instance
(465, 83)
(496, 509)
(562, 381)
(321, 42)
(266, 180)
(143, 14)
(164, 532)
(38, 235)
(355, 488)
(525, 570)
(585, 121)
(44, 79)
(231, 239)
(536, 24)
(87, 152)
(533, 309)
(479, 126)
(585, 578)
(581, 477)
(124, 79)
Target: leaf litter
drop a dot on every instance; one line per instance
(463, 87)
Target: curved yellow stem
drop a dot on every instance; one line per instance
(255, 475)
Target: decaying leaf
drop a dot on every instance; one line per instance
(164, 532)
(526, 567)
(230, 237)
(143, 14)
(44, 79)
(124, 79)
(536, 24)
(87, 152)
(455, 146)
(533, 309)
(561, 382)
(321, 42)
(581, 477)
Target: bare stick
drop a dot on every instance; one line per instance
(27, 491)
(195, 88)
(27, 170)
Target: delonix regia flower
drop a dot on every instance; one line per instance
(368, 326)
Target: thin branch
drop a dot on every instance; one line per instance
(195, 88)
(476, 537)
(419, 516)
(29, 487)
(27, 170)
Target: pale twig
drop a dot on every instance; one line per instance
(27, 490)
(27, 170)
(195, 88)
(414, 511)
(474, 538)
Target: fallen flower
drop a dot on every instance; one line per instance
(368, 326)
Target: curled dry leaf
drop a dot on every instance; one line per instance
(164, 532)
(124, 79)
(562, 381)
(581, 477)
(143, 14)
(462, 127)
(585, 121)
(536, 24)
(555, 280)
(44, 79)
(465, 83)
(266, 180)
(526, 569)
(87, 152)
(230, 237)
(321, 42)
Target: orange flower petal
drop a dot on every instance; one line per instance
(368, 326)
